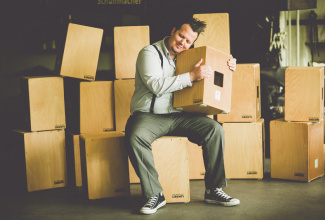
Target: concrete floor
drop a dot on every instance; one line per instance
(260, 199)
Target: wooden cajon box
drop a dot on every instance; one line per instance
(211, 95)
(128, 41)
(123, 92)
(44, 107)
(90, 106)
(171, 161)
(296, 150)
(304, 94)
(81, 52)
(246, 95)
(104, 165)
(73, 159)
(217, 32)
(45, 158)
(196, 163)
(244, 150)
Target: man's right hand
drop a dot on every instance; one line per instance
(200, 72)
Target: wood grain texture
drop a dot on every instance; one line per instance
(96, 107)
(304, 94)
(123, 91)
(104, 165)
(215, 98)
(172, 164)
(128, 41)
(196, 163)
(245, 98)
(217, 32)
(45, 157)
(46, 103)
(296, 150)
(244, 150)
(81, 52)
(73, 159)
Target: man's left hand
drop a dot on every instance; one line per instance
(232, 64)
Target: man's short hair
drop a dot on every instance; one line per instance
(196, 25)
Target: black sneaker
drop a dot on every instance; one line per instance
(217, 196)
(153, 204)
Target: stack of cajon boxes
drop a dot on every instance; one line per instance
(296, 141)
(42, 136)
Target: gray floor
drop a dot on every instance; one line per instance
(260, 199)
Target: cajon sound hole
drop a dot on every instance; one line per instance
(218, 79)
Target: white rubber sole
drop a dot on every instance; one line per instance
(233, 202)
(147, 211)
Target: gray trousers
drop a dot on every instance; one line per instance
(142, 129)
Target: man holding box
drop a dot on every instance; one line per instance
(153, 116)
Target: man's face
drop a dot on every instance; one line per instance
(181, 40)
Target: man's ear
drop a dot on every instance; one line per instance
(173, 31)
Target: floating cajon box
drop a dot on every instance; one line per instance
(217, 32)
(296, 150)
(123, 91)
(73, 159)
(304, 94)
(90, 106)
(104, 165)
(81, 52)
(44, 107)
(244, 150)
(171, 162)
(211, 95)
(246, 98)
(128, 41)
(45, 158)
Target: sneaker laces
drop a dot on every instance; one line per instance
(152, 201)
(222, 194)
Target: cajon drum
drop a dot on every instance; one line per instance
(296, 150)
(304, 94)
(90, 106)
(209, 96)
(73, 159)
(44, 107)
(246, 98)
(45, 158)
(196, 163)
(81, 52)
(104, 165)
(123, 91)
(171, 161)
(244, 150)
(128, 41)
(217, 32)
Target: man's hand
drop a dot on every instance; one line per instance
(232, 64)
(200, 72)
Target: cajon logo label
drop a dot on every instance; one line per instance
(58, 182)
(251, 172)
(299, 174)
(107, 129)
(197, 101)
(247, 116)
(89, 77)
(119, 190)
(178, 196)
(313, 119)
(59, 126)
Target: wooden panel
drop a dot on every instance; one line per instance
(244, 108)
(295, 148)
(46, 109)
(171, 161)
(45, 158)
(81, 52)
(104, 163)
(244, 150)
(123, 91)
(205, 96)
(217, 33)
(73, 159)
(128, 41)
(196, 163)
(96, 107)
(304, 94)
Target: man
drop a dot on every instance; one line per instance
(153, 116)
